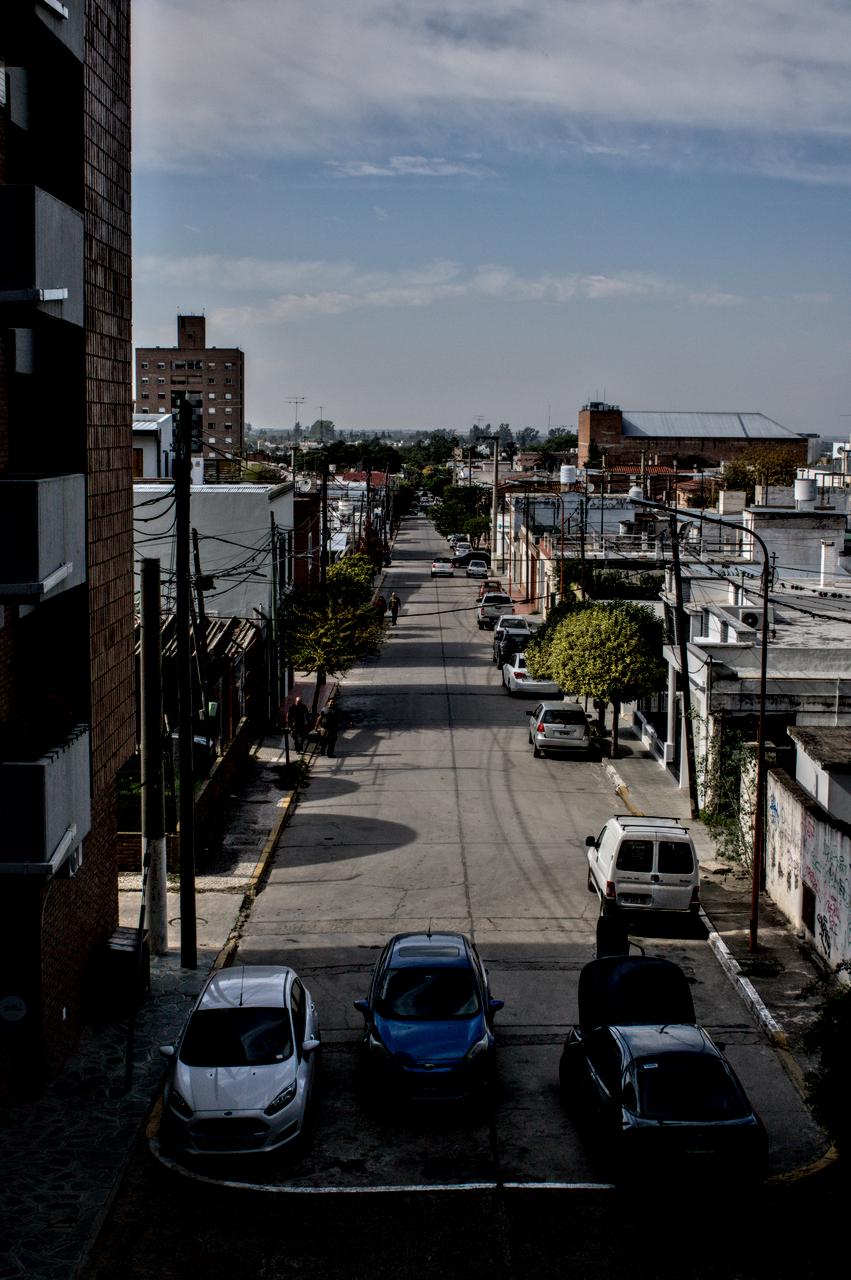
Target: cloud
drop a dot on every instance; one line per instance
(381, 214)
(318, 79)
(267, 291)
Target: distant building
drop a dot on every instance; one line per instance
(621, 437)
(153, 446)
(213, 378)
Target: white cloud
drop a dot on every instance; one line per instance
(380, 213)
(317, 78)
(299, 289)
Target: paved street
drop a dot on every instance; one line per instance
(435, 812)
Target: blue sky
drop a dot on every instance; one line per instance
(415, 212)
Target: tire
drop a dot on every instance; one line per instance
(530, 737)
(536, 752)
(480, 625)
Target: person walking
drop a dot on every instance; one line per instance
(298, 723)
(327, 727)
(395, 606)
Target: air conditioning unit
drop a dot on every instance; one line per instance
(750, 615)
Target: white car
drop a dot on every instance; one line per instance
(442, 567)
(516, 678)
(478, 569)
(242, 1072)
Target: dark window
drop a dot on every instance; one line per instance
(683, 1086)
(236, 1038)
(675, 857)
(635, 855)
(808, 908)
(299, 1005)
(605, 1059)
(428, 995)
(564, 717)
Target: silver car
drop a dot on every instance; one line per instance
(560, 726)
(517, 678)
(243, 1070)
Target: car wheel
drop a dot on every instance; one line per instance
(530, 737)
(480, 625)
(536, 751)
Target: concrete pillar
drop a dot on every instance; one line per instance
(829, 557)
(670, 732)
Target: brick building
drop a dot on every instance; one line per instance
(621, 437)
(67, 712)
(213, 379)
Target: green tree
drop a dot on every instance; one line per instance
(476, 528)
(611, 652)
(762, 464)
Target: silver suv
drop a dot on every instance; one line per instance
(492, 607)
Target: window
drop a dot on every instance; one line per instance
(635, 855)
(211, 412)
(228, 410)
(228, 395)
(228, 439)
(228, 382)
(211, 439)
(211, 365)
(211, 395)
(144, 409)
(211, 382)
(161, 395)
(161, 364)
(299, 1007)
(675, 857)
(161, 381)
(144, 364)
(178, 364)
(146, 379)
(228, 364)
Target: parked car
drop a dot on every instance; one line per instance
(493, 606)
(560, 726)
(644, 864)
(517, 679)
(649, 1082)
(442, 567)
(489, 584)
(506, 622)
(429, 1017)
(243, 1071)
(507, 643)
(464, 554)
(478, 569)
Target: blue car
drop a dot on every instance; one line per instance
(429, 1017)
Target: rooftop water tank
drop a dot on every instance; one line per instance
(566, 474)
(805, 495)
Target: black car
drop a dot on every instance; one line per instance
(429, 1017)
(649, 1083)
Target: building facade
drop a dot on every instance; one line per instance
(67, 709)
(213, 379)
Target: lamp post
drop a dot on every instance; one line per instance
(760, 788)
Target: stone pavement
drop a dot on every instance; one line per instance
(63, 1153)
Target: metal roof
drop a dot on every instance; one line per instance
(706, 426)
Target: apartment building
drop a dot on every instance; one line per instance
(67, 709)
(213, 378)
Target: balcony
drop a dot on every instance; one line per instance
(42, 536)
(41, 255)
(46, 808)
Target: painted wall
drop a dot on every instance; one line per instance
(805, 848)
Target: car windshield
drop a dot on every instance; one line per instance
(494, 597)
(427, 995)
(563, 717)
(246, 1037)
(686, 1086)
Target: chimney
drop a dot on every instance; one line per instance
(829, 558)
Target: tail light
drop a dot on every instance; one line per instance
(541, 727)
(610, 889)
(519, 675)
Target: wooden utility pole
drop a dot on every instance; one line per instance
(183, 655)
(153, 807)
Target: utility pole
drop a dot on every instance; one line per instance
(183, 655)
(495, 501)
(153, 809)
(682, 642)
(274, 646)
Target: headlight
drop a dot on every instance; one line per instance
(178, 1103)
(282, 1099)
(481, 1046)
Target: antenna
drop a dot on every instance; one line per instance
(296, 401)
(241, 985)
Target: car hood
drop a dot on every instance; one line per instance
(438, 1042)
(233, 1088)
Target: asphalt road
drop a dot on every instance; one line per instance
(435, 812)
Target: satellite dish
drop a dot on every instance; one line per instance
(590, 488)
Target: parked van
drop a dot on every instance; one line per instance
(643, 864)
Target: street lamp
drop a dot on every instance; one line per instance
(759, 799)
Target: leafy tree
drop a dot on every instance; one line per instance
(476, 528)
(612, 652)
(762, 464)
(527, 437)
(350, 579)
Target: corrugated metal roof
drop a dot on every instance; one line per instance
(706, 426)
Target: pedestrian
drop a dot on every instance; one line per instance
(298, 723)
(395, 606)
(327, 727)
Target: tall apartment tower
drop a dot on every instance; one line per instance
(213, 378)
(67, 699)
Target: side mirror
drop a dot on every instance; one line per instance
(310, 1046)
(362, 1006)
(495, 1005)
(167, 1050)
(591, 842)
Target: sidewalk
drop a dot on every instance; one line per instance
(64, 1153)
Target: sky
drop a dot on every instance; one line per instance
(422, 213)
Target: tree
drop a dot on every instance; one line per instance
(762, 464)
(611, 652)
(526, 437)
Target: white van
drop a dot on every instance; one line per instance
(643, 864)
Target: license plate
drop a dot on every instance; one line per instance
(634, 899)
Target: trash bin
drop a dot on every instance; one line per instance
(125, 978)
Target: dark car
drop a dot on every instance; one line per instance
(649, 1082)
(429, 1017)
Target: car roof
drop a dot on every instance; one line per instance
(254, 985)
(515, 620)
(647, 822)
(560, 706)
(447, 949)
(495, 597)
